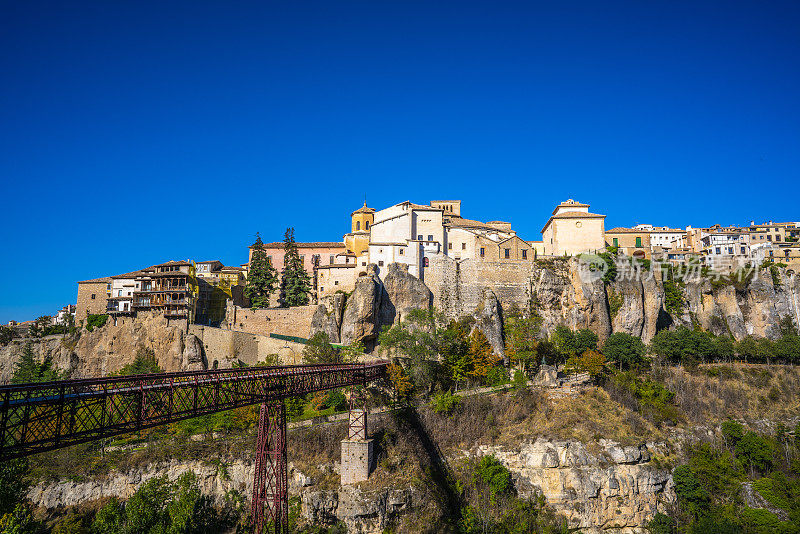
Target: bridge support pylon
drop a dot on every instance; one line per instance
(357, 449)
(270, 485)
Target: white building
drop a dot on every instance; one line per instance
(122, 288)
(726, 250)
(664, 236)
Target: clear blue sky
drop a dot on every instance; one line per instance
(137, 132)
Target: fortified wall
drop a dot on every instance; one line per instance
(224, 347)
(286, 321)
(458, 285)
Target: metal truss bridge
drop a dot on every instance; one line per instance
(45, 416)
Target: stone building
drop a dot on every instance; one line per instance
(92, 297)
(634, 242)
(572, 230)
(168, 288)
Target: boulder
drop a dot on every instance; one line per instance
(328, 316)
(489, 320)
(361, 318)
(193, 355)
(402, 293)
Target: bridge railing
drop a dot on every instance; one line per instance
(44, 416)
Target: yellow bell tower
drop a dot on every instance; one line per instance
(357, 241)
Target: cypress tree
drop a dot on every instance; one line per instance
(296, 283)
(262, 278)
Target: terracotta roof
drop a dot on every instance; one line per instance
(315, 244)
(468, 223)
(132, 274)
(338, 266)
(363, 209)
(171, 263)
(572, 215)
(621, 230)
(570, 204)
(228, 268)
(105, 279)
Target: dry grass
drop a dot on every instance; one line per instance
(713, 393)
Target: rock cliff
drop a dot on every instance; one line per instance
(107, 349)
(615, 489)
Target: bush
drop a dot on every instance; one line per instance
(494, 475)
(445, 403)
(95, 321)
(754, 451)
(144, 363)
(496, 376)
(319, 350)
(625, 350)
(692, 496)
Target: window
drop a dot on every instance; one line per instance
(717, 249)
(402, 251)
(430, 237)
(769, 237)
(639, 242)
(321, 289)
(269, 259)
(336, 282)
(366, 225)
(507, 253)
(616, 242)
(483, 252)
(363, 264)
(380, 263)
(426, 262)
(330, 259)
(744, 250)
(524, 254)
(730, 250)
(449, 246)
(302, 258)
(93, 296)
(419, 237)
(358, 226)
(463, 246)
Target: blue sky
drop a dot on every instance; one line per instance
(138, 132)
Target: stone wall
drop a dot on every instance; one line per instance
(86, 304)
(286, 321)
(458, 286)
(227, 346)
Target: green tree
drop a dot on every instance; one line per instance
(585, 340)
(295, 281)
(110, 519)
(7, 334)
(494, 474)
(732, 432)
(564, 340)
(319, 350)
(755, 452)
(29, 369)
(262, 277)
(625, 350)
(661, 524)
(13, 484)
(144, 363)
(693, 497)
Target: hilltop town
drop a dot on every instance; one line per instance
(415, 235)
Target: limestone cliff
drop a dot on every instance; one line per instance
(616, 489)
(107, 349)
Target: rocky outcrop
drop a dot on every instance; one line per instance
(564, 294)
(107, 349)
(403, 292)
(328, 316)
(615, 489)
(361, 319)
(193, 355)
(364, 512)
(489, 320)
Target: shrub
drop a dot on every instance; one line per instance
(754, 451)
(694, 499)
(445, 403)
(95, 321)
(494, 474)
(145, 362)
(625, 350)
(496, 375)
(319, 350)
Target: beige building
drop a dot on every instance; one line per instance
(336, 278)
(93, 297)
(571, 230)
(632, 242)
